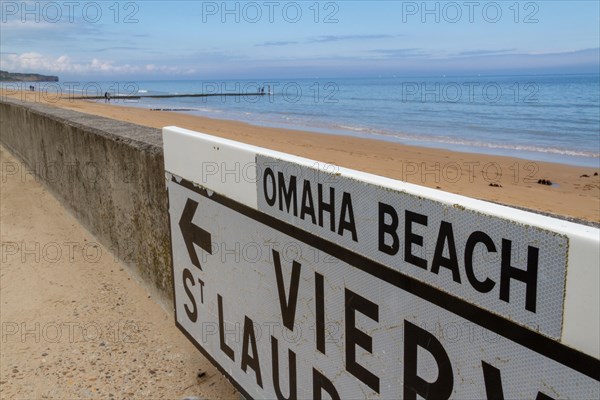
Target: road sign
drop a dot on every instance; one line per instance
(302, 280)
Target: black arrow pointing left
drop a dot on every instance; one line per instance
(193, 234)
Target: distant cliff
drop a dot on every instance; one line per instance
(15, 77)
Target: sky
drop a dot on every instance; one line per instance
(161, 40)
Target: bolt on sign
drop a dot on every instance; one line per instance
(299, 279)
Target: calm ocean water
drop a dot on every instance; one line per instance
(552, 118)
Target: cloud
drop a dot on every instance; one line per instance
(70, 32)
(124, 48)
(328, 39)
(571, 61)
(565, 56)
(282, 43)
(31, 32)
(398, 53)
(36, 62)
(485, 52)
(338, 38)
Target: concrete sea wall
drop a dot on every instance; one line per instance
(109, 174)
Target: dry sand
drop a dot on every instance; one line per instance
(463, 173)
(74, 323)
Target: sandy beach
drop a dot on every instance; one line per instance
(575, 191)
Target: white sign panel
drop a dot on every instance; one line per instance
(503, 266)
(301, 283)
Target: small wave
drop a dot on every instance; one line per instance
(204, 110)
(208, 110)
(299, 113)
(470, 143)
(550, 150)
(535, 149)
(352, 128)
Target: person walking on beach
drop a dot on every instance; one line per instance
(106, 97)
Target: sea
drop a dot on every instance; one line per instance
(537, 117)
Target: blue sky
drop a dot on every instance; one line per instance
(286, 39)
